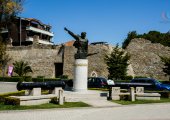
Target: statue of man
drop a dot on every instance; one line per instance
(81, 44)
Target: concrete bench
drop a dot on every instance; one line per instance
(148, 96)
(35, 98)
(134, 94)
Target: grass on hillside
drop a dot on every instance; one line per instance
(125, 102)
(43, 106)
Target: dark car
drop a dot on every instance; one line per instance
(97, 82)
(93, 82)
(154, 84)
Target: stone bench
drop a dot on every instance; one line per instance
(148, 96)
(34, 100)
(134, 94)
(35, 97)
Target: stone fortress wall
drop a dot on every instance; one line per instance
(96, 64)
(144, 60)
(40, 58)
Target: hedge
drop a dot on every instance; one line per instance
(54, 100)
(117, 81)
(164, 94)
(44, 79)
(27, 79)
(11, 79)
(11, 101)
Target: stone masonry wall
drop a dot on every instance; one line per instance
(145, 58)
(40, 58)
(96, 64)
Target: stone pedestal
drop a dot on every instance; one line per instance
(116, 93)
(35, 92)
(80, 75)
(61, 97)
(55, 91)
(132, 94)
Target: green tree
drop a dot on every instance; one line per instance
(4, 57)
(130, 36)
(117, 63)
(9, 8)
(153, 36)
(21, 68)
(166, 61)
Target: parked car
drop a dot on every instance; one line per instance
(154, 84)
(97, 82)
(93, 82)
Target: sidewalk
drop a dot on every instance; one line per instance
(92, 97)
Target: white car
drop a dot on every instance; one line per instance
(110, 82)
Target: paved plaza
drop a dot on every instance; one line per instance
(101, 110)
(131, 112)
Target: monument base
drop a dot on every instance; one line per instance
(80, 75)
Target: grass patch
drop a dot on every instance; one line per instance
(124, 102)
(100, 89)
(43, 106)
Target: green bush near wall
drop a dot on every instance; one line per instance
(117, 81)
(27, 79)
(44, 79)
(54, 100)
(11, 101)
(164, 94)
(11, 79)
(141, 77)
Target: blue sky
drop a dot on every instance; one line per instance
(103, 20)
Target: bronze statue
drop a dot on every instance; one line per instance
(81, 44)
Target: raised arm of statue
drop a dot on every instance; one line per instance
(72, 34)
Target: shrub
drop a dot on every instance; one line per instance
(165, 94)
(37, 79)
(27, 78)
(141, 77)
(11, 101)
(44, 79)
(63, 76)
(117, 81)
(11, 79)
(51, 79)
(54, 100)
(128, 77)
(124, 97)
(40, 76)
